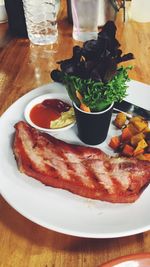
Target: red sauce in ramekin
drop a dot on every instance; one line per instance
(48, 110)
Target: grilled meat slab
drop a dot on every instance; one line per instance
(85, 171)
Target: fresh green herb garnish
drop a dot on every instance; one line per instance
(98, 95)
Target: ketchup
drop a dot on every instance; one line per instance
(48, 110)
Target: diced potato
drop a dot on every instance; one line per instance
(136, 118)
(139, 123)
(133, 129)
(136, 138)
(120, 120)
(140, 146)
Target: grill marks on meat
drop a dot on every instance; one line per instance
(85, 171)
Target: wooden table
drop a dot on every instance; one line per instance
(23, 67)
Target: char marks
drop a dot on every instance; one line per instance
(85, 171)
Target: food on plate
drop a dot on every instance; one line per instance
(46, 113)
(120, 120)
(93, 76)
(95, 80)
(134, 139)
(65, 119)
(85, 171)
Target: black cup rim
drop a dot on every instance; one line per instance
(94, 113)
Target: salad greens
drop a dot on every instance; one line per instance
(93, 71)
(98, 95)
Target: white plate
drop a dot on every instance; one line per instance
(61, 96)
(132, 260)
(60, 210)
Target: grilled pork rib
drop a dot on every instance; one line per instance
(85, 171)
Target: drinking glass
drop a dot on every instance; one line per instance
(85, 14)
(3, 14)
(41, 20)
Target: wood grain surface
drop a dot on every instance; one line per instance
(24, 66)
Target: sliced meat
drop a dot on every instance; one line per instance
(85, 171)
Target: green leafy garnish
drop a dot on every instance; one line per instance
(98, 95)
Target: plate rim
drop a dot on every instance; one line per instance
(123, 259)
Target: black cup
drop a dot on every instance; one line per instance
(93, 126)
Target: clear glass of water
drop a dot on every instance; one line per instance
(85, 15)
(41, 20)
